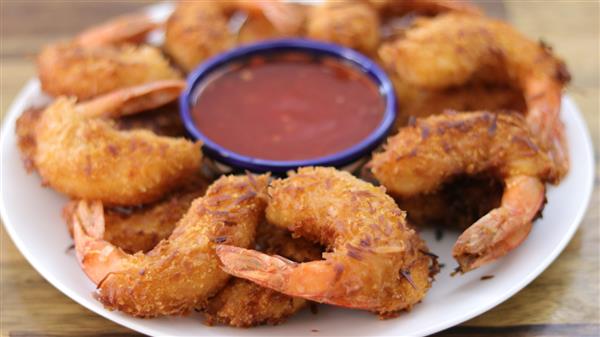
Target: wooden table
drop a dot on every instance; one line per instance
(563, 301)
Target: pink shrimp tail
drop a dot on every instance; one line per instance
(311, 280)
(504, 228)
(96, 256)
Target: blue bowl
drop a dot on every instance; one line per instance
(341, 159)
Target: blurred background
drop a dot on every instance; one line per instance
(563, 301)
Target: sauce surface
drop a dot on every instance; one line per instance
(288, 106)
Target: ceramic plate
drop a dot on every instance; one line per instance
(32, 217)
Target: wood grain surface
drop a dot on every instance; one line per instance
(563, 301)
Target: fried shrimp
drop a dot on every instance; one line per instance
(454, 49)
(181, 272)
(70, 69)
(103, 59)
(243, 303)
(376, 263)
(81, 154)
(423, 156)
(353, 24)
(198, 30)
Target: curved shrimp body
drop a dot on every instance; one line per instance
(181, 272)
(453, 49)
(376, 262)
(423, 156)
(84, 156)
(360, 24)
(87, 71)
(198, 30)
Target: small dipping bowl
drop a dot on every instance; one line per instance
(350, 158)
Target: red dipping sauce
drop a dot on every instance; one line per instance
(288, 106)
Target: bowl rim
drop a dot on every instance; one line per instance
(337, 159)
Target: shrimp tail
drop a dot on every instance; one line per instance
(131, 100)
(504, 228)
(96, 256)
(132, 28)
(278, 273)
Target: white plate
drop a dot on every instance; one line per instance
(31, 216)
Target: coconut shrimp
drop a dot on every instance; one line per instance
(353, 24)
(423, 156)
(198, 30)
(240, 303)
(181, 272)
(79, 152)
(103, 59)
(243, 303)
(453, 49)
(376, 262)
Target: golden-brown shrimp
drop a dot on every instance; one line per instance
(423, 156)
(240, 303)
(181, 272)
(376, 262)
(102, 59)
(83, 155)
(243, 303)
(68, 68)
(453, 49)
(198, 30)
(353, 24)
